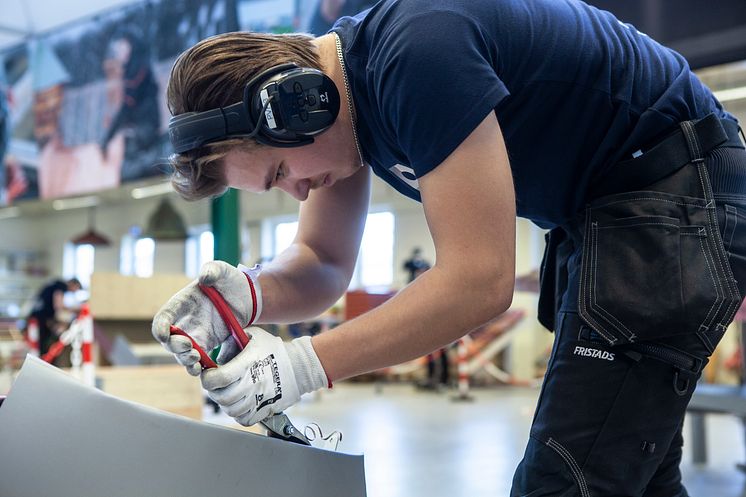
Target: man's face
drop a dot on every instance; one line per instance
(117, 56)
(296, 171)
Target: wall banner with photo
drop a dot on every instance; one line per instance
(82, 107)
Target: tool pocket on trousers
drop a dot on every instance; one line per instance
(732, 219)
(648, 271)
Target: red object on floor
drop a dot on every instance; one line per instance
(359, 302)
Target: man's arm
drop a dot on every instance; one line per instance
(470, 208)
(309, 277)
(469, 204)
(300, 283)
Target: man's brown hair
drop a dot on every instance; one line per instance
(213, 74)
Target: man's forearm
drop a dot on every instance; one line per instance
(431, 312)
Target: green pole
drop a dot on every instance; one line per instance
(225, 214)
(225, 227)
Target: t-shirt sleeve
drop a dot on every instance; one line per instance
(439, 83)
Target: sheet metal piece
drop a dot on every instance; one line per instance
(60, 437)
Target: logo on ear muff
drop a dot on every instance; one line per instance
(284, 106)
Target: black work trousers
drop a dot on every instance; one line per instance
(642, 287)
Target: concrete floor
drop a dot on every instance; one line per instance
(426, 445)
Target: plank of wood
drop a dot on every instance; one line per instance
(114, 296)
(165, 387)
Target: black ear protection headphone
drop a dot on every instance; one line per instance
(284, 106)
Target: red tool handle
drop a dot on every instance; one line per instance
(239, 335)
(204, 359)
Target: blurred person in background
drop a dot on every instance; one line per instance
(50, 311)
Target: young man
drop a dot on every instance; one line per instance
(548, 109)
(48, 304)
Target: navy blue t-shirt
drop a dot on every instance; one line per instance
(574, 90)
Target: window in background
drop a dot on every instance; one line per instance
(284, 235)
(200, 248)
(144, 256)
(136, 255)
(375, 265)
(249, 232)
(277, 233)
(77, 263)
(127, 254)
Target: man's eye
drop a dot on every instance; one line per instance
(280, 174)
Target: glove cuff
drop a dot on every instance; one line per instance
(309, 373)
(252, 275)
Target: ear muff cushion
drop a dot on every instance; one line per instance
(304, 102)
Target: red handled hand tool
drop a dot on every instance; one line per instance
(278, 425)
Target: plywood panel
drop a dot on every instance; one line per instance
(114, 296)
(166, 387)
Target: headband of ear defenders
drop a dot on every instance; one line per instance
(284, 106)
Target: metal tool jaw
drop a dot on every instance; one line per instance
(279, 426)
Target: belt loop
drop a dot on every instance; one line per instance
(692, 141)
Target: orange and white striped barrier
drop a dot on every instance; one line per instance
(81, 356)
(32, 336)
(80, 338)
(54, 350)
(89, 368)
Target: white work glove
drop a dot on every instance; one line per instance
(265, 378)
(194, 313)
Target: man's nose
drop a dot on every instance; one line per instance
(298, 189)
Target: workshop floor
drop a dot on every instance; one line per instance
(422, 444)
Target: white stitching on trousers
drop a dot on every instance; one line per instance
(574, 468)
